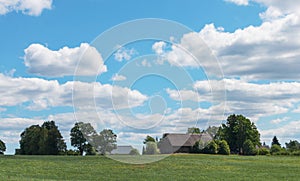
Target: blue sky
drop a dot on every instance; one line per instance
(247, 50)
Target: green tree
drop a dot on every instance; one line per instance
(223, 147)
(249, 148)
(211, 148)
(105, 141)
(151, 148)
(32, 141)
(293, 146)
(54, 142)
(236, 131)
(275, 141)
(79, 135)
(193, 130)
(42, 140)
(148, 139)
(2, 147)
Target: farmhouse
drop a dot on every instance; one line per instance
(181, 143)
(122, 150)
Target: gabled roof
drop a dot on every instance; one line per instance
(176, 139)
(122, 150)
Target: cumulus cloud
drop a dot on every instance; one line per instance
(45, 62)
(118, 77)
(255, 100)
(183, 95)
(29, 7)
(42, 94)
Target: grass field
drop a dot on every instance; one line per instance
(175, 167)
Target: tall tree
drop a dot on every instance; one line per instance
(148, 139)
(80, 134)
(236, 131)
(293, 145)
(2, 147)
(32, 141)
(54, 142)
(105, 141)
(275, 141)
(42, 140)
(193, 130)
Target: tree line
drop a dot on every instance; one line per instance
(237, 136)
(47, 140)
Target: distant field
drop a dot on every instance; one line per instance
(176, 167)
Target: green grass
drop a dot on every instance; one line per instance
(176, 167)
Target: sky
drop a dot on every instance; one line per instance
(149, 67)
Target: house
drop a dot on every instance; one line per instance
(122, 150)
(181, 143)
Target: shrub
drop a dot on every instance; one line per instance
(223, 148)
(151, 148)
(275, 149)
(134, 152)
(249, 148)
(211, 148)
(263, 151)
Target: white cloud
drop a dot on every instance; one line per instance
(285, 133)
(158, 47)
(279, 120)
(118, 77)
(43, 94)
(124, 54)
(45, 62)
(254, 100)
(239, 2)
(29, 7)
(183, 95)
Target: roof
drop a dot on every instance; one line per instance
(122, 150)
(176, 139)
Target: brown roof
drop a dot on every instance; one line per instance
(186, 139)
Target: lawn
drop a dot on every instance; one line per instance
(175, 167)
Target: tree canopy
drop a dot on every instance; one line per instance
(105, 141)
(193, 130)
(79, 135)
(148, 139)
(236, 131)
(2, 147)
(42, 140)
(275, 141)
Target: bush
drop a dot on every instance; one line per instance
(151, 148)
(263, 151)
(223, 148)
(249, 148)
(296, 153)
(275, 149)
(134, 152)
(72, 152)
(211, 148)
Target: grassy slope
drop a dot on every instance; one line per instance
(176, 167)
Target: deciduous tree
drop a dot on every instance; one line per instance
(236, 131)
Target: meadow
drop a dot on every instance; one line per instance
(175, 167)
